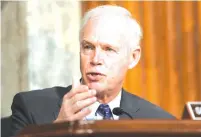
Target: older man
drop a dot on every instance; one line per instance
(109, 46)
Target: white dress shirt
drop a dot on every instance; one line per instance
(112, 104)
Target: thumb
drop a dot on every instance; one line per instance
(75, 82)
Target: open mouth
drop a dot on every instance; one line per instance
(94, 73)
(94, 76)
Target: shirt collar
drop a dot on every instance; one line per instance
(116, 101)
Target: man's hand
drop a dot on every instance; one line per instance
(75, 102)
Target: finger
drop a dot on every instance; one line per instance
(83, 96)
(79, 105)
(81, 114)
(73, 92)
(75, 82)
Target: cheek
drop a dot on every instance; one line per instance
(84, 61)
(117, 67)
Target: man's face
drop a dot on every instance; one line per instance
(104, 58)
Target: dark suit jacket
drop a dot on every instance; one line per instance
(42, 106)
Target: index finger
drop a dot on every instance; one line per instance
(75, 82)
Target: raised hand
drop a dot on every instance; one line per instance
(75, 103)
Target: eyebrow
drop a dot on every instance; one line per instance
(108, 45)
(87, 42)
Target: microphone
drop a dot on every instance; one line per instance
(119, 111)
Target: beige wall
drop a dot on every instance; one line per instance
(39, 46)
(13, 53)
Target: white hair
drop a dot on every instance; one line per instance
(132, 31)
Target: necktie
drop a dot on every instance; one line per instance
(105, 111)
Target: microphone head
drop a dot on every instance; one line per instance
(117, 111)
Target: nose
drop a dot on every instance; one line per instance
(97, 58)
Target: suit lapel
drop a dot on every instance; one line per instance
(57, 109)
(128, 104)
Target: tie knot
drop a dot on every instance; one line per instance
(105, 111)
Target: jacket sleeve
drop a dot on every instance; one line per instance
(20, 116)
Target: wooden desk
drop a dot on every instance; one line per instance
(120, 128)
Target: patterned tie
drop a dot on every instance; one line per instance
(104, 110)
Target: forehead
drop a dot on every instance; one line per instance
(105, 30)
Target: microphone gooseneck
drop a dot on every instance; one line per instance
(119, 111)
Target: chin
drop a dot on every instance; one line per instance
(97, 86)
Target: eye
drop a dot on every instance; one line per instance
(109, 49)
(88, 47)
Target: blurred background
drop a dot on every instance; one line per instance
(40, 49)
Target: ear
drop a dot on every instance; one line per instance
(135, 57)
